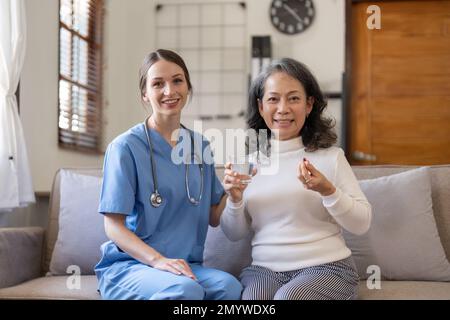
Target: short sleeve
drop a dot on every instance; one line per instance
(119, 180)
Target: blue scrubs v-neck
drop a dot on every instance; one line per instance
(177, 229)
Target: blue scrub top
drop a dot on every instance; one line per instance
(176, 229)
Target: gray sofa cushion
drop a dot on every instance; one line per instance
(233, 256)
(407, 290)
(440, 193)
(54, 287)
(81, 230)
(403, 241)
(223, 254)
(20, 247)
(54, 206)
(237, 254)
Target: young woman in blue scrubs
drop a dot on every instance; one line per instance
(157, 252)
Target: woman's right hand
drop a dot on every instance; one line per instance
(232, 185)
(175, 266)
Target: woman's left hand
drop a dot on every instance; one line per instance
(313, 179)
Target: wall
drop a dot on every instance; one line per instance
(129, 35)
(126, 27)
(33, 215)
(321, 47)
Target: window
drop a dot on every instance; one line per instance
(211, 38)
(80, 74)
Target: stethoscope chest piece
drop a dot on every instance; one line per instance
(193, 201)
(156, 199)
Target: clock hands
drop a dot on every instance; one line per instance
(291, 11)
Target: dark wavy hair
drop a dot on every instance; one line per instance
(155, 56)
(317, 131)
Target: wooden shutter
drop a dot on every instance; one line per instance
(80, 74)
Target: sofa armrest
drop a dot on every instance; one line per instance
(20, 254)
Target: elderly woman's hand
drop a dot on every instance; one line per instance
(232, 183)
(313, 179)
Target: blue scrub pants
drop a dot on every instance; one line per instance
(131, 280)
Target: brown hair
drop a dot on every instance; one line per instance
(155, 56)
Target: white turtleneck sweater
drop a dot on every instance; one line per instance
(295, 227)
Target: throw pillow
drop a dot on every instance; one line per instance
(403, 240)
(81, 230)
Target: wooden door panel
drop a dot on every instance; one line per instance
(411, 127)
(408, 8)
(406, 117)
(414, 20)
(401, 106)
(400, 83)
(412, 151)
(411, 66)
(360, 84)
(391, 82)
(431, 45)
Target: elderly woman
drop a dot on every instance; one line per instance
(299, 201)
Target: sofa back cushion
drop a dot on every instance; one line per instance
(233, 256)
(81, 231)
(218, 247)
(223, 254)
(403, 242)
(440, 193)
(54, 211)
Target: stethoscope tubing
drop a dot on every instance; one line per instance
(155, 198)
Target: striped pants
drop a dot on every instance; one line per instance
(331, 281)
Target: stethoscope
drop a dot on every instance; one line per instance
(155, 198)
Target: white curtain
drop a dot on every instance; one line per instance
(16, 188)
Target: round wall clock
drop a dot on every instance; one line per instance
(292, 16)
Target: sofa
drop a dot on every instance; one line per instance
(26, 253)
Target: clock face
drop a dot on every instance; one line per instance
(292, 16)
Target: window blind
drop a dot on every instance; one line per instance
(80, 74)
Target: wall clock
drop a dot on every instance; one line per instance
(292, 16)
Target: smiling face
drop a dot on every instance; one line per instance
(284, 105)
(166, 88)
